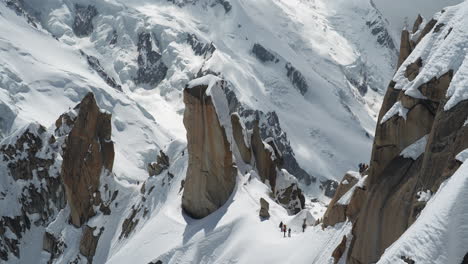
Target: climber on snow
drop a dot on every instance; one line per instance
(289, 232)
(284, 230)
(281, 226)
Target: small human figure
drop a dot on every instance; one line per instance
(289, 232)
(284, 230)
(281, 226)
(304, 225)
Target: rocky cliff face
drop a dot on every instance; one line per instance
(47, 171)
(347, 200)
(212, 135)
(414, 150)
(88, 152)
(30, 187)
(211, 174)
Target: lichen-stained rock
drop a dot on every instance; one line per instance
(88, 151)
(83, 23)
(238, 133)
(211, 174)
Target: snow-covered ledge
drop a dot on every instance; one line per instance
(415, 150)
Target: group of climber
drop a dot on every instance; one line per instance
(363, 168)
(284, 228)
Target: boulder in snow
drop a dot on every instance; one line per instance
(264, 209)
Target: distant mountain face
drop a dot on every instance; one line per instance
(325, 62)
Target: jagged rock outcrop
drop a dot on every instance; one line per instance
(407, 44)
(201, 49)
(267, 158)
(263, 54)
(88, 242)
(336, 212)
(52, 245)
(270, 128)
(290, 197)
(297, 79)
(340, 250)
(151, 69)
(329, 187)
(161, 164)
(83, 23)
(211, 174)
(391, 201)
(28, 156)
(264, 209)
(89, 152)
(21, 8)
(96, 65)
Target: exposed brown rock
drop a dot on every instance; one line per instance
(405, 47)
(396, 134)
(436, 88)
(89, 150)
(390, 204)
(336, 213)
(429, 26)
(339, 251)
(417, 23)
(211, 174)
(239, 137)
(357, 200)
(89, 242)
(412, 70)
(265, 160)
(264, 209)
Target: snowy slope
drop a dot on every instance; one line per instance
(341, 49)
(329, 45)
(440, 234)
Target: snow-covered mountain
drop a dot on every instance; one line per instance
(110, 108)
